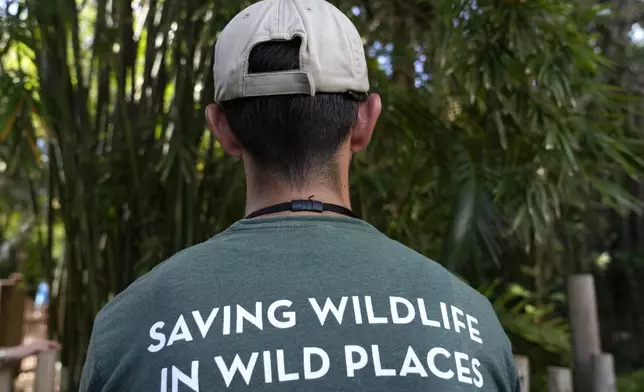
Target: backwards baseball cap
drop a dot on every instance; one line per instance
(332, 58)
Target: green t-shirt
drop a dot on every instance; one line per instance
(299, 303)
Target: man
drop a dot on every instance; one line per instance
(300, 295)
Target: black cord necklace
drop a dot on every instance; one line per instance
(303, 205)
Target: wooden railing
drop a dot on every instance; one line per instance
(44, 379)
(19, 325)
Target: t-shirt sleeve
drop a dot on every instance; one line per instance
(91, 380)
(513, 373)
(504, 355)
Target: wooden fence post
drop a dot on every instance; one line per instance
(46, 371)
(523, 367)
(6, 380)
(559, 379)
(603, 373)
(12, 308)
(585, 329)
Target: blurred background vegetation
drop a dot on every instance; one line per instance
(510, 149)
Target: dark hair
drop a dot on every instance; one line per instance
(292, 136)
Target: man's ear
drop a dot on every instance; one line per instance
(218, 125)
(368, 113)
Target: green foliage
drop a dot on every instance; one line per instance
(630, 382)
(536, 331)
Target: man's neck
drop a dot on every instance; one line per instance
(257, 199)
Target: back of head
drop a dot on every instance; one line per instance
(294, 137)
(289, 77)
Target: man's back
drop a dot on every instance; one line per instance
(315, 303)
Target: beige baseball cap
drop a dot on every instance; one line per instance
(332, 58)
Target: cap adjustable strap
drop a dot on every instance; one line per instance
(303, 205)
(278, 83)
